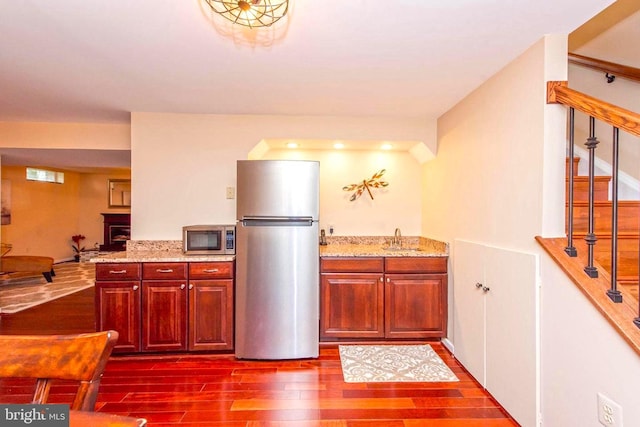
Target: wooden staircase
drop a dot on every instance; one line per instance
(628, 227)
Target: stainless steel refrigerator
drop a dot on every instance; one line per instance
(277, 259)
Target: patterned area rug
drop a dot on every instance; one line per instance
(21, 291)
(393, 363)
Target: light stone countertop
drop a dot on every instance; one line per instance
(338, 246)
(375, 247)
(159, 256)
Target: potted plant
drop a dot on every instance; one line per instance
(76, 246)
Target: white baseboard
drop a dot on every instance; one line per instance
(448, 344)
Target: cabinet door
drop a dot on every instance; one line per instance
(118, 309)
(211, 315)
(469, 307)
(512, 330)
(164, 315)
(415, 305)
(351, 305)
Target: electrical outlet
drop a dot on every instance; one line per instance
(609, 412)
(231, 192)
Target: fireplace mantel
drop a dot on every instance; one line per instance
(117, 230)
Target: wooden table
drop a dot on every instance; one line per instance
(100, 419)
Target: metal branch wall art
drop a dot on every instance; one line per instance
(366, 184)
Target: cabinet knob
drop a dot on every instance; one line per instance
(388, 280)
(117, 271)
(190, 285)
(478, 285)
(485, 289)
(210, 270)
(183, 286)
(135, 287)
(382, 279)
(164, 270)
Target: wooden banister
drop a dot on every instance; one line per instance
(559, 93)
(617, 70)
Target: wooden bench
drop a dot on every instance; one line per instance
(28, 264)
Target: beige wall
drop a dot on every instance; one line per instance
(93, 195)
(65, 135)
(611, 46)
(46, 215)
(498, 181)
(486, 183)
(182, 164)
(396, 206)
(582, 355)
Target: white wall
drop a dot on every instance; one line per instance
(182, 164)
(90, 136)
(611, 46)
(487, 183)
(396, 206)
(498, 178)
(582, 355)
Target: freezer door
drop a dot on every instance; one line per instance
(277, 188)
(277, 291)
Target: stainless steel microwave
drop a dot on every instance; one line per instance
(209, 239)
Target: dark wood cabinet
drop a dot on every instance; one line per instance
(164, 306)
(415, 305)
(352, 305)
(415, 297)
(388, 298)
(156, 308)
(118, 303)
(164, 315)
(211, 306)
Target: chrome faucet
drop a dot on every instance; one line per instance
(397, 239)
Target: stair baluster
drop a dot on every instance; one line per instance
(570, 249)
(590, 238)
(613, 293)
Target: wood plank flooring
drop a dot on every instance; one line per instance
(218, 390)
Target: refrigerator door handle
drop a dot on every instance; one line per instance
(278, 221)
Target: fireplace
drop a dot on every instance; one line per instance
(117, 230)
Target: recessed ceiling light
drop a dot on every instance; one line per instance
(338, 145)
(386, 147)
(292, 145)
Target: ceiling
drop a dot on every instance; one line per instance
(91, 61)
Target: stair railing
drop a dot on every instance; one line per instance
(611, 69)
(619, 118)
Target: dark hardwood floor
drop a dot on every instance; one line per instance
(217, 390)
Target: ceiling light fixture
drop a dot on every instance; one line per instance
(292, 145)
(250, 13)
(386, 146)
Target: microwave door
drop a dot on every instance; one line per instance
(204, 240)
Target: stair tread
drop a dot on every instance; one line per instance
(583, 178)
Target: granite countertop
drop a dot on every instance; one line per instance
(375, 247)
(338, 246)
(157, 251)
(159, 256)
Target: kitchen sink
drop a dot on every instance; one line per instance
(396, 249)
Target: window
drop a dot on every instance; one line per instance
(44, 175)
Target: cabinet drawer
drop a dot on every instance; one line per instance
(118, 271)
(415, 265)
(210, 270)
(352, 265)
(164, 270)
